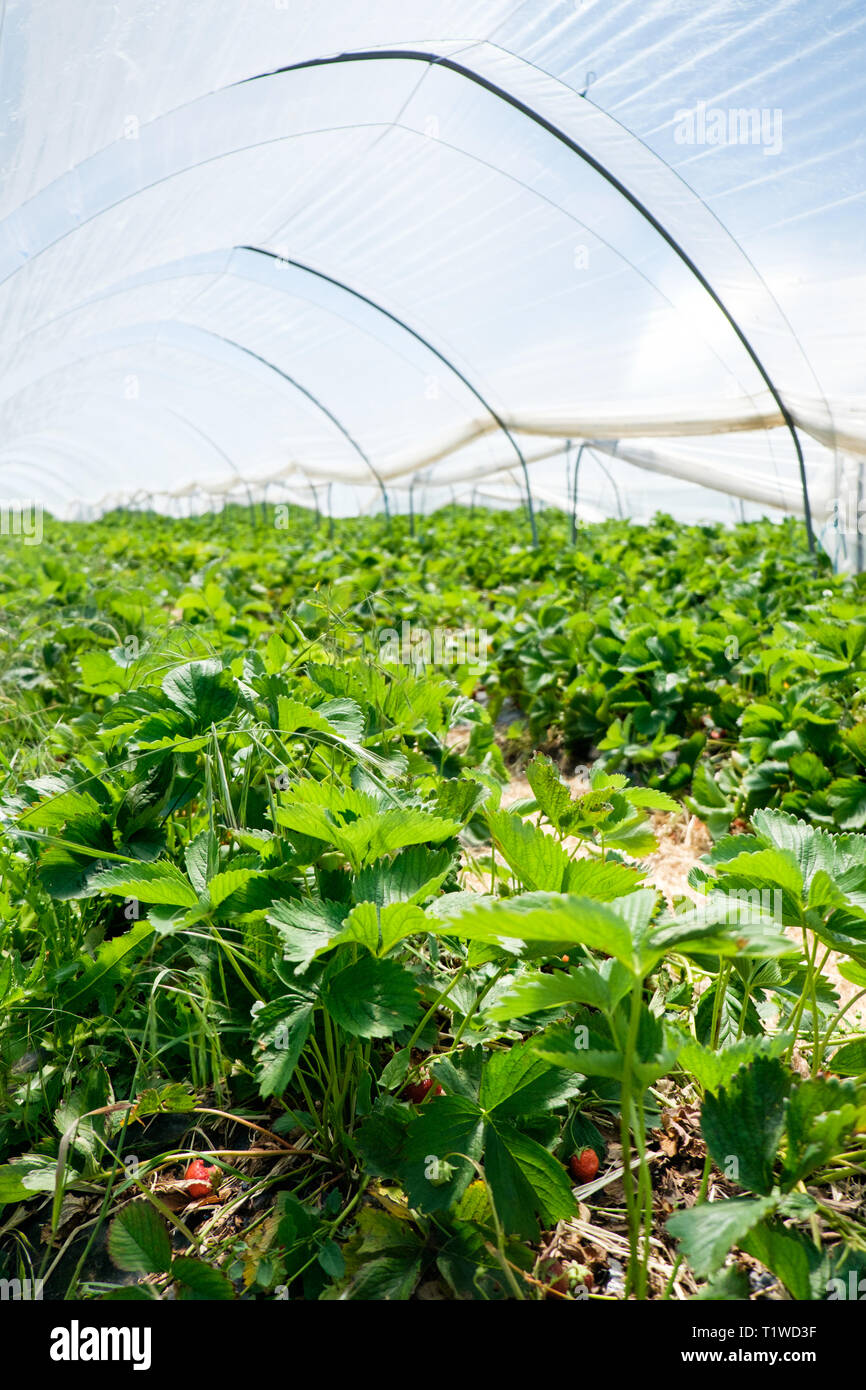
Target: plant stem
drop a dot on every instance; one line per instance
(632, 1212)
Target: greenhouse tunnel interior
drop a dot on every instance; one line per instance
(346, 259)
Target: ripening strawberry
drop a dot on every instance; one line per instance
(200, 1178)
(417, 1090)
(584, 1165)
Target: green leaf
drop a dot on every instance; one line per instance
(691, 933)
(111, 956)
(345, 717)
(651, 800)
(850, 1060)
(546, 918)
(746, 1120)
(138, 1240)
(199, 1281)
(787, 1253)
(379, 929)
(381, 1137)
(292, 716)
(390, 1279)
(331, 1259)
(434, 1168)
(202, 691)
(521, 1082)
(394, 1073)
(854, 972)
(536, 991)
(370, 836)
(601, 879)
(707, 1232)
(526, 1182)
(281, 1032)
(729, 1285)
(200, 857)
(306, 927)
(148, 883)
(713, 1068)
(535, 857)
(766, 868)
(372, 998)
(25, 1177)
(223, 885)
(821, 1115)
(413, 875)
(553, 797)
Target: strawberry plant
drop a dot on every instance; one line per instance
(263, 898)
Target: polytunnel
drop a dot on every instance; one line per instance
(599, 256)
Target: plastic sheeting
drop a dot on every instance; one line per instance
(276, 245)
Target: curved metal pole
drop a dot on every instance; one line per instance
(420, 476)
(859, 533)
(425, 342)
(574, 494)
(272, 366)
(439, 60)
(312, 486)
(612, 480)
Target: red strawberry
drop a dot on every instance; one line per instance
(200, 1178)
(417, 1090)
(584, 1165)
(557, 1277)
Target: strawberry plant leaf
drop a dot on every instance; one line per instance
(526, 1182)
(161, 883)
(380, 929)
(521, 1082)
(198, 1281)
(371, 998)
(202, 691)
(708, 1231)
(138, 1240)
(553, 797)
(434, 1166)
(744, 1122)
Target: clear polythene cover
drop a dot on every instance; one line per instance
(281, 246)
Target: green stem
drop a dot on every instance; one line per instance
(836, 1018)
(479, 1001)
(632, 1212)
(437, 1002)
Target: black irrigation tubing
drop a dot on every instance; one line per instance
(419, 337)
(438, 60)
